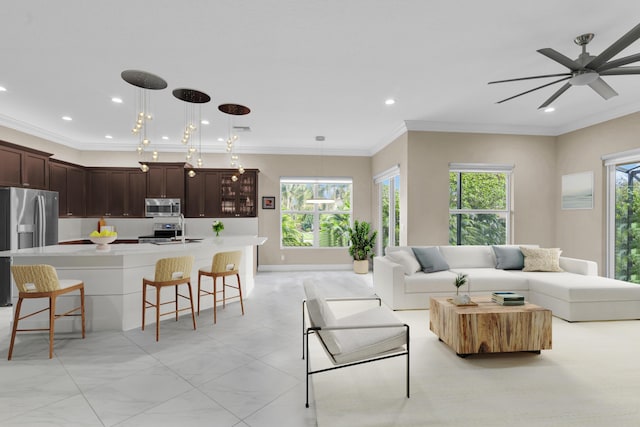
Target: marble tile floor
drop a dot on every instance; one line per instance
(244, 371)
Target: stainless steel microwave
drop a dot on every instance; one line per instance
(161, 207)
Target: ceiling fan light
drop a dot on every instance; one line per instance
(582, 78)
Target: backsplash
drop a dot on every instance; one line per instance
(131, 228)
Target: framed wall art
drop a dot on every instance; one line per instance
(268, 202)
(577, 191)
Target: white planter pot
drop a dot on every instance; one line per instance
(361, 267)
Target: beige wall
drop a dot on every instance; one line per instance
(582, 233)
(272, 167)
(429, 155)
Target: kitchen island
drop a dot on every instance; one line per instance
(113, 277)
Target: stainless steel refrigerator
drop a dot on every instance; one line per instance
(28, 219)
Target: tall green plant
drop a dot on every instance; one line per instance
(362, 240)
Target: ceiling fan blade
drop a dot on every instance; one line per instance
(615, 48)
(553, 97)
(531, 90)
(603, 89)
(619, 62)
(560, 58)
(530, 78)
(620, 71)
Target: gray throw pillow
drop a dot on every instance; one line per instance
(508, 258)
(430, 259)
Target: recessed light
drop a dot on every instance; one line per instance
(3, 89)
(108, 136)
(165, 137)
(390, 101)
(549, 109)
(66, 118)
(116, 100)
(220, 139)
(204, 122)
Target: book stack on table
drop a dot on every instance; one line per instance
(507, 298)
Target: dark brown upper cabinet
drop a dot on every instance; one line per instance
(23, 167)
(69, 181)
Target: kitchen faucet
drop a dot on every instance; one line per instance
(183, 227)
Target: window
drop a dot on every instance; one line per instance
(623, 216)
(389, 208)
(318, 225)
(479, 204)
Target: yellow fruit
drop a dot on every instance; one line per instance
(94, 233)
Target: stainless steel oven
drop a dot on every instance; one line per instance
(161, 207)
(162, 232)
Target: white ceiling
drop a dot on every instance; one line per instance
(304, 67)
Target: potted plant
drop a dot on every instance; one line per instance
(362, 243)
(460, 280)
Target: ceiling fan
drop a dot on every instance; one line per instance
(586, 69)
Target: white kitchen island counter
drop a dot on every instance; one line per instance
(113, 278)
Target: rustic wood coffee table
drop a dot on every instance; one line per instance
(489, 327)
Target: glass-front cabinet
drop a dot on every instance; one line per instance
(238, 193)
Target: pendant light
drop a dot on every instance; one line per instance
(144, 82)
(234, 110)
(193, 120)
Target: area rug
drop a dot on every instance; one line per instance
(589, 378)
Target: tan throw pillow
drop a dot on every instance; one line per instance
(541, 259)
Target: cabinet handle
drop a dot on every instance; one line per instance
(69, 213)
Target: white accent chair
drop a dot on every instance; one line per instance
(363, 337)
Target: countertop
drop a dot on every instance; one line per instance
(119, 249)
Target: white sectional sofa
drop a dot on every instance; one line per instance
(576, 293)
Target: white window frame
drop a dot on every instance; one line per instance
(488, 168)
(379, 179)
(316, 212)
(610, 161)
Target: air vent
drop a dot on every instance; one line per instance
(242, 128)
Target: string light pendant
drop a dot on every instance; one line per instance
(193, 119)
(144, 82)
(234, 110)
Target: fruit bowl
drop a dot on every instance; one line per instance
(102, 242)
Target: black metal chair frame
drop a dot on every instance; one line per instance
(306, 331)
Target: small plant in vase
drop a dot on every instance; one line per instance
(217, 226)
(461, 280)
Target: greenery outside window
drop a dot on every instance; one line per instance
(479, 204)
(316, 225)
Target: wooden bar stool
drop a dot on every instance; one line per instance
(41, 281)
(169, 272)
(224, 264)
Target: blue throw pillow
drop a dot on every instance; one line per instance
(430, 259)
(508, 258)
